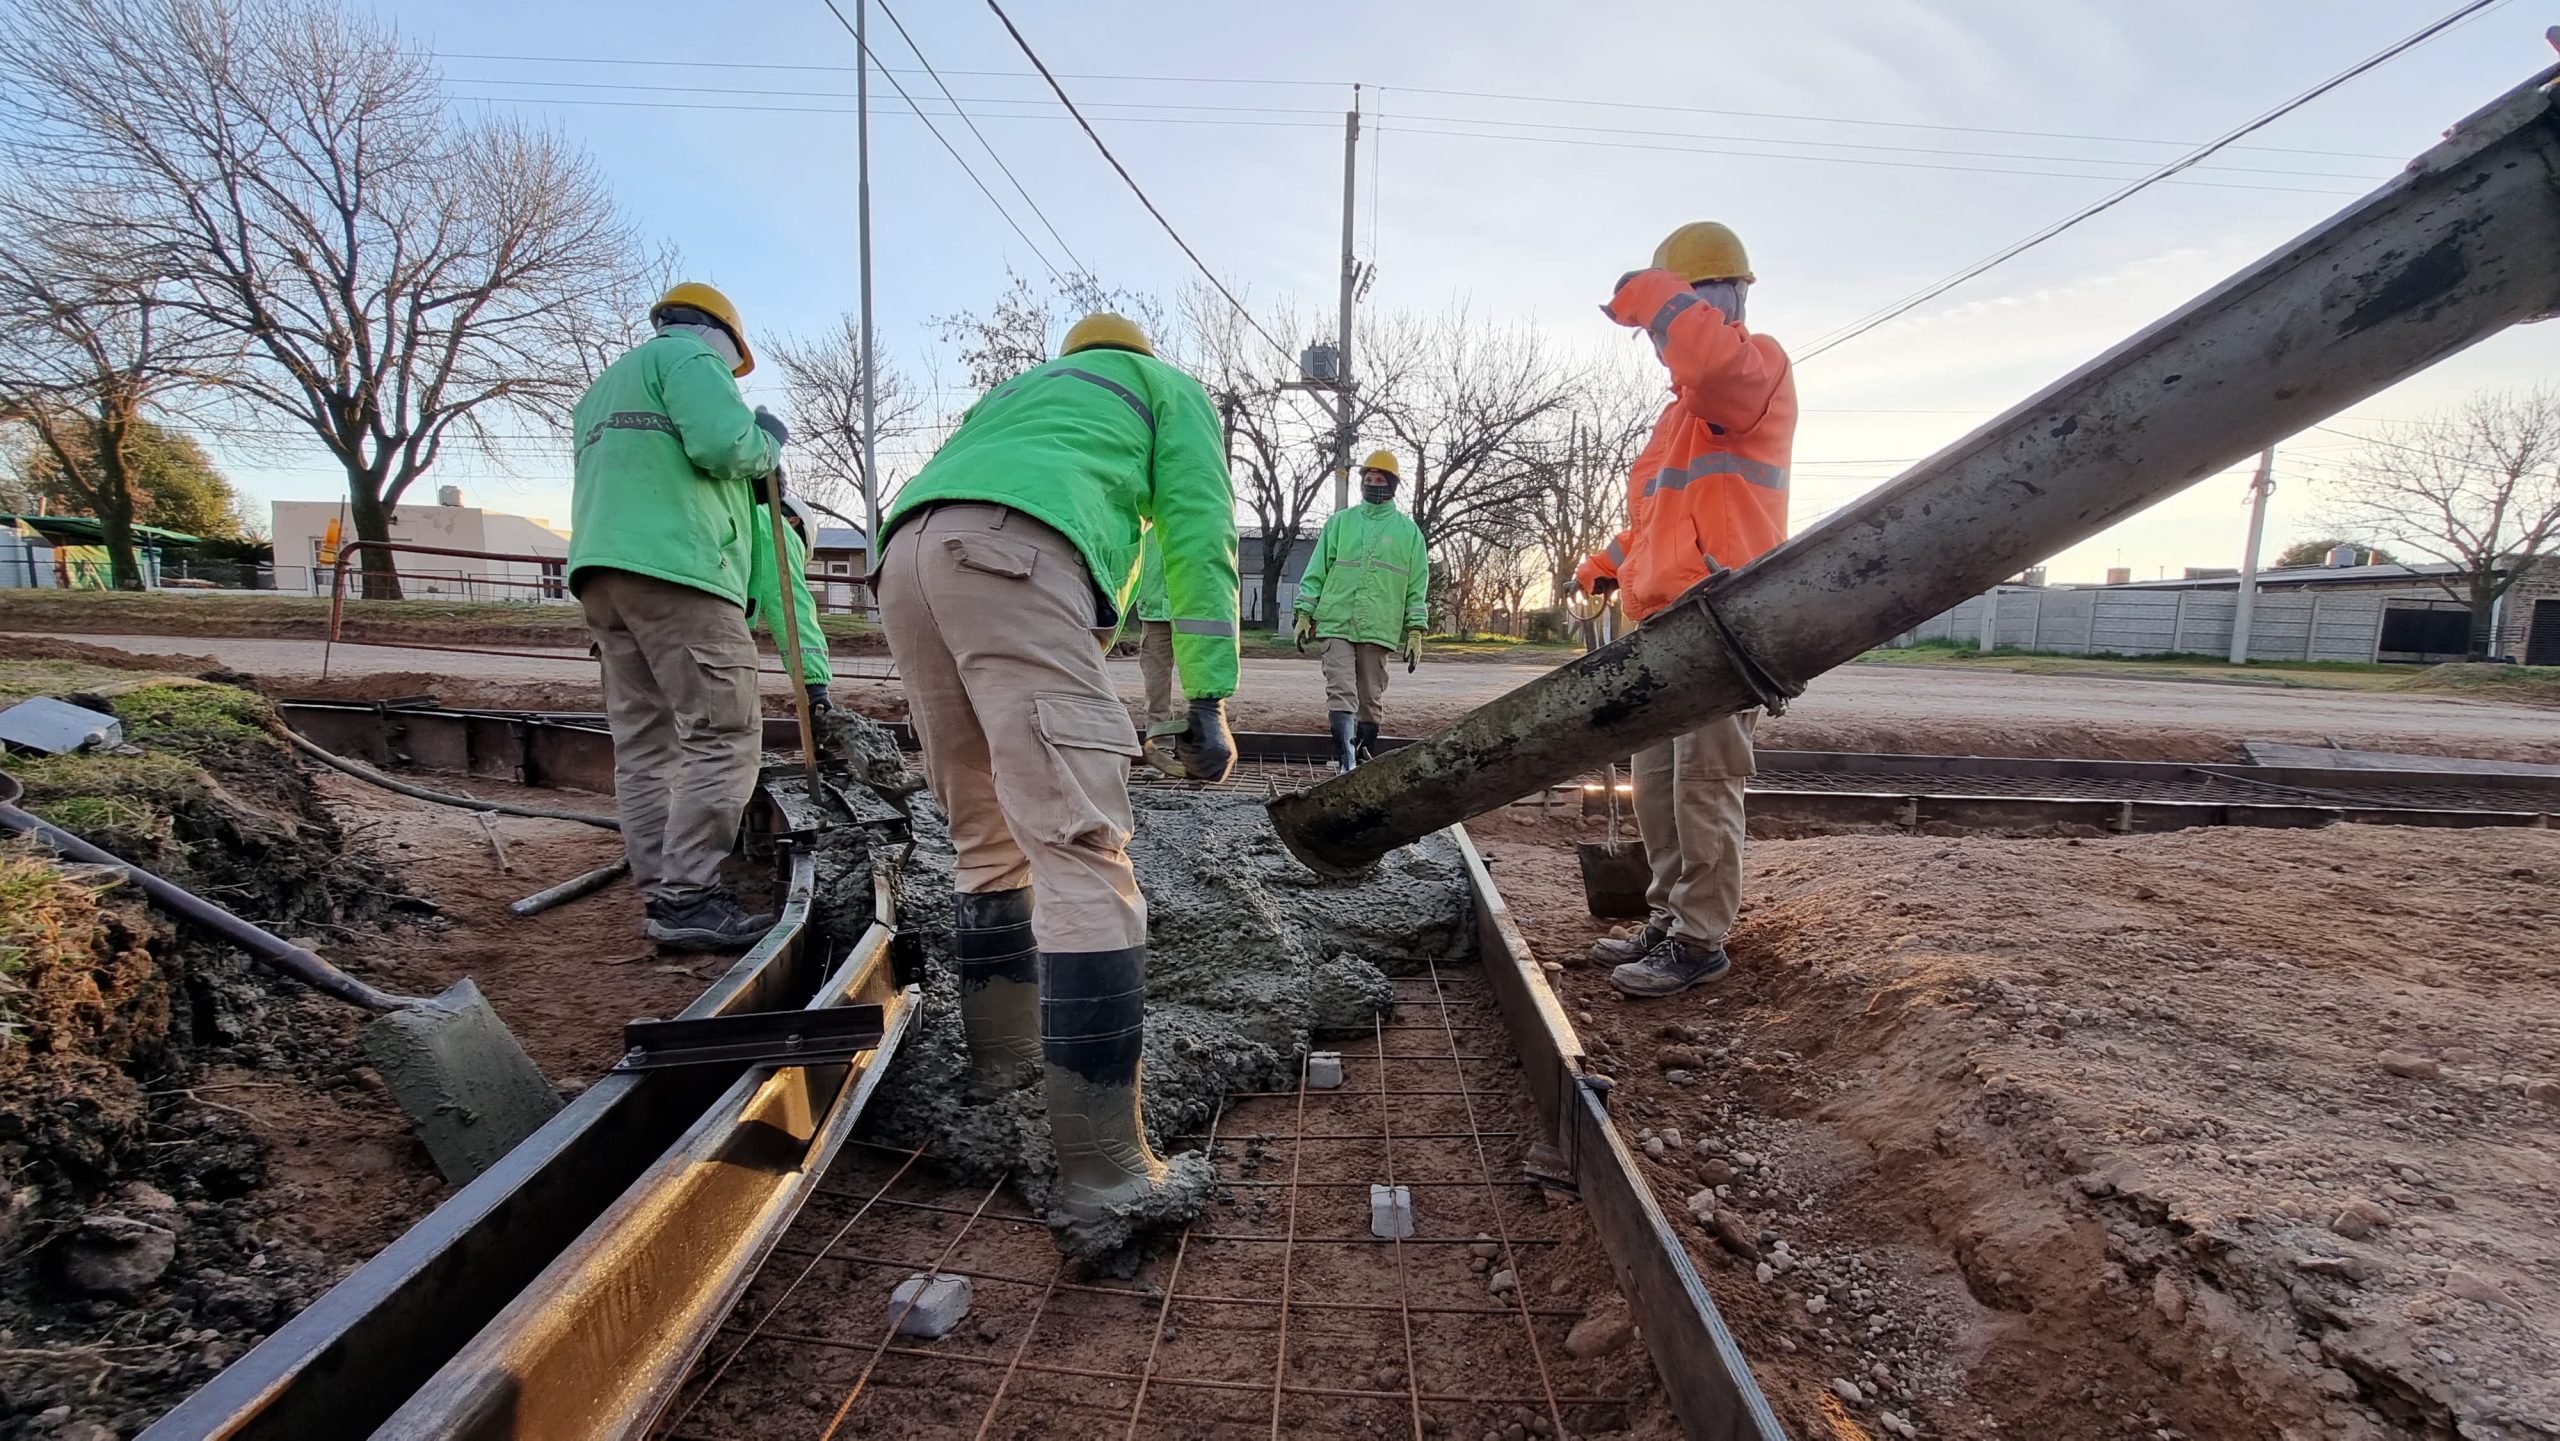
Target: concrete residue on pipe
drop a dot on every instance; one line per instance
(1251, 955)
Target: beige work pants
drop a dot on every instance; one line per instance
(990, 616)
(1355, 678)
(1155, 662)
(680, 694)
(1689, 809)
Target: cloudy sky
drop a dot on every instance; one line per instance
(1518, 157)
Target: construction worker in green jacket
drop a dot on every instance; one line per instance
(1155, 656)
(661, 547)
(1007, 564)
(764, 598)
(1366, 595)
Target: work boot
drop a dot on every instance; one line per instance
(1346, 748)
(1160, 753)
(713, 921)
(1670, 968)
(999, 971)
(1364, 741)
(1093, 1033)
(1632, 945)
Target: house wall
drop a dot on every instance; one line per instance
(300, 525)
(2339, 623)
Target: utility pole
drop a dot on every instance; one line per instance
(1350, 284)
(862, 223)
(2259, 489)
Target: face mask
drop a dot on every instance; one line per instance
(1377, 494)
(713, 336)
(1726, 296)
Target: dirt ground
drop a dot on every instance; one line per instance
(1937, 710)
(2216, 1134)
(255, 1136)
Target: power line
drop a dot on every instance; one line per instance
(1514, 97)
(1923, 296)
(956, 157)
(982, 139)
(1855, 160)
(1131, 181)
(1453, 134)
(957, 102)
(2436, 455)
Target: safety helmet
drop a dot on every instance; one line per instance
(694, 295)
(1106, 330)
(797, 512)
(1703, 250)
(1383, 460)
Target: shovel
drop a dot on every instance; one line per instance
(1615, 873)
(468, 1087)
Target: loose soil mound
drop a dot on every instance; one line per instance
(2233, 1132)
(136, 1255)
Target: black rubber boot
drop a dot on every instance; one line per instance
(1093, 1007)
(999, 968)
(1346, 749)
(1364, 741)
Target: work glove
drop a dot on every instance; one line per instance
(1640, 296)
(772, 425)
(1412, 650)
(1604, 585)
(1306, 629)
(1207, 749)
(819, 701)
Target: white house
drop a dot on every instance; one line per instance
(536, 570)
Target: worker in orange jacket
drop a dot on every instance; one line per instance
(1709, 493)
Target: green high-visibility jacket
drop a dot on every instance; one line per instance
(667, 457)
(1370, 578)
(764, 605)
(1095, 445)
(1152, 602)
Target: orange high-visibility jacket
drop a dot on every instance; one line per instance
(1712, 483)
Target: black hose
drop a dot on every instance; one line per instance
(370, 776)
(186, 905)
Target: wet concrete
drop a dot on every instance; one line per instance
(1252, 957)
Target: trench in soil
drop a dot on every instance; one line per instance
(1277, 1312)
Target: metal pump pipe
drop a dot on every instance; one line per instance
(2464, 243)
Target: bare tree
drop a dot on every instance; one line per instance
(1025, 324)
(96, 344)
(2478, 489)
(404, 277)
(823, 378)
(1466, 404)
(1279, 451)
(1582, 496)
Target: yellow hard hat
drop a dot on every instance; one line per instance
(1105, 329)
(695, 295)
(1703, 250)
(1383, 460)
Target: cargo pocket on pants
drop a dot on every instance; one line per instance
(1090, 744)
(728, 701)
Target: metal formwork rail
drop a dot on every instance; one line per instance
(614, 1231)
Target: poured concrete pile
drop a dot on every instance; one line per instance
(1251, 955)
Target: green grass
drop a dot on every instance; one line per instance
(2320, 675)
(2528, 684)
(122, 803)
(306, 617)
